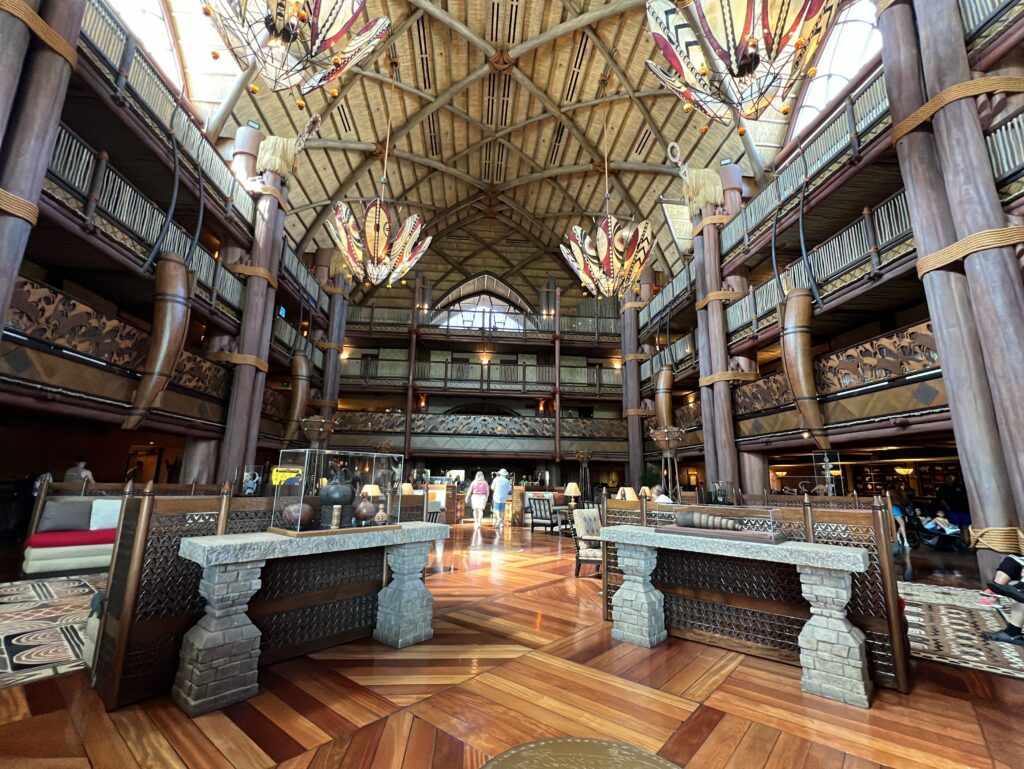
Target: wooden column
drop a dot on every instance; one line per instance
(198, 460)
(411, 379)
(725, 444)
(32, 125)
(753, 474)
(707, 398)
(557, 308)
(993, 275)
(232, 455)
(266, 337)
(14, 41)
(322, 264)
(336, 321)
(631, 390)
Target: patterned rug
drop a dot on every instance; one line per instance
(42, 626)
(945, 624)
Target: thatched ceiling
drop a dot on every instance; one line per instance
(501, 163)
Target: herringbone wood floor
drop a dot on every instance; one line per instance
(520, 653)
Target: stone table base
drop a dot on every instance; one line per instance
(405, 607)
(638, 608)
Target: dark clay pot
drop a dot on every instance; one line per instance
(300, 515)
(365, 510)
(339, 491)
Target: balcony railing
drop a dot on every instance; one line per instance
(522, 378)
(130, 218)
(680, 285)
(473, 426)
(854, 253)
(382, 373)
(307, 282)
(105, 39)
(288, 338)
(681, 354)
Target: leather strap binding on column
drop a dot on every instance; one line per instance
(719, 296)
(707, 221)
(798, 364)
(266, 189)
(945, 97)
(329, 345)
(254, 272)
(41, 29)
(1004, 539)
(632, 306)
(979, 241)
(19, 207)
(238, 359)
(728, 376)
(638, 356)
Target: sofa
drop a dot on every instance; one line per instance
(72, 535)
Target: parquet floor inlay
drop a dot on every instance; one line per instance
(520, 653)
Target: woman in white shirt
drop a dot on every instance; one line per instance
(660, 497)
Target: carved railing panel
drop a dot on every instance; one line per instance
(47, 315)
(904, 352)
(477, 425)
(689, 414)
(770, 392)
(276, 404)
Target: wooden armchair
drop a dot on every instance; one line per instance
(585, 526)
(541, 514)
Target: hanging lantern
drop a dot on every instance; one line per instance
(736, 55)
(372, 254)
(289, 38)
(612, 262)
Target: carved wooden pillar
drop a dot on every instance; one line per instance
(725, 443)
(336, 320)
(631, 389)
(558, 374)
(410, 384)
(34, 110)
(753, 474)
(707, 398)
(252, 436)
(952, 317)
(241, 406)
(993, 274)
(14, 41)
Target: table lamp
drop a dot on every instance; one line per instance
(408, 490)
(629, 494)
(645, 492)
(572, 491)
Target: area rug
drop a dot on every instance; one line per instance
(42, 626)
(951, 633)
(577, 752)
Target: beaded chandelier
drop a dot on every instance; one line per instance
(737, 56)
(287, 39)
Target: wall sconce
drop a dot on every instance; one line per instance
(616, 364)
(806, 434)
(835, 473)
(903, 471)
(780, 473)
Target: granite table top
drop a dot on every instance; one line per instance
(853, 559)
(264, 546)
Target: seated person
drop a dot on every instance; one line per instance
(941, 524)
(660, 497)
(1009, 571)
(1011, 634)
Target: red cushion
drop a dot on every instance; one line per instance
(72, 538)
(559, 498)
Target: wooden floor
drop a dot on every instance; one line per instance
(520, 653)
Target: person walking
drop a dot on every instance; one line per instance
(476, 495)
(500, 490)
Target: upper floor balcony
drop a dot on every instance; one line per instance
(479, 325)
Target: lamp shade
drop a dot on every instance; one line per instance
(407, 489)
(630, 494)
(573, 490)
(370, 490)
(645, 491)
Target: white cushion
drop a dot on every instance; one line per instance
(105, 514)
(37, 554)
(590, 552)
(31, 566)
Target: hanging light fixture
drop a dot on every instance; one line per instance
(737, 56)
(289, 38)
(376, 253)
(611, 263)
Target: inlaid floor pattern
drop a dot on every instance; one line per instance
(520, 653)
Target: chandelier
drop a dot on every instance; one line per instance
(288, 38)
(611, 263)
(736, 56)
(378, 254)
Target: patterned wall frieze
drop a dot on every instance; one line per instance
(50, 316)
(481, 425)
(904, 352)
(766, 393)
(689, 414)
(369, 422)
(275, 404)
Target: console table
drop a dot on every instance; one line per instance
(221, 653)
(832, 651)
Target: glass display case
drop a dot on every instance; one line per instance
(335, 489)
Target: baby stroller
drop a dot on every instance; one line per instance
(942, 537)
